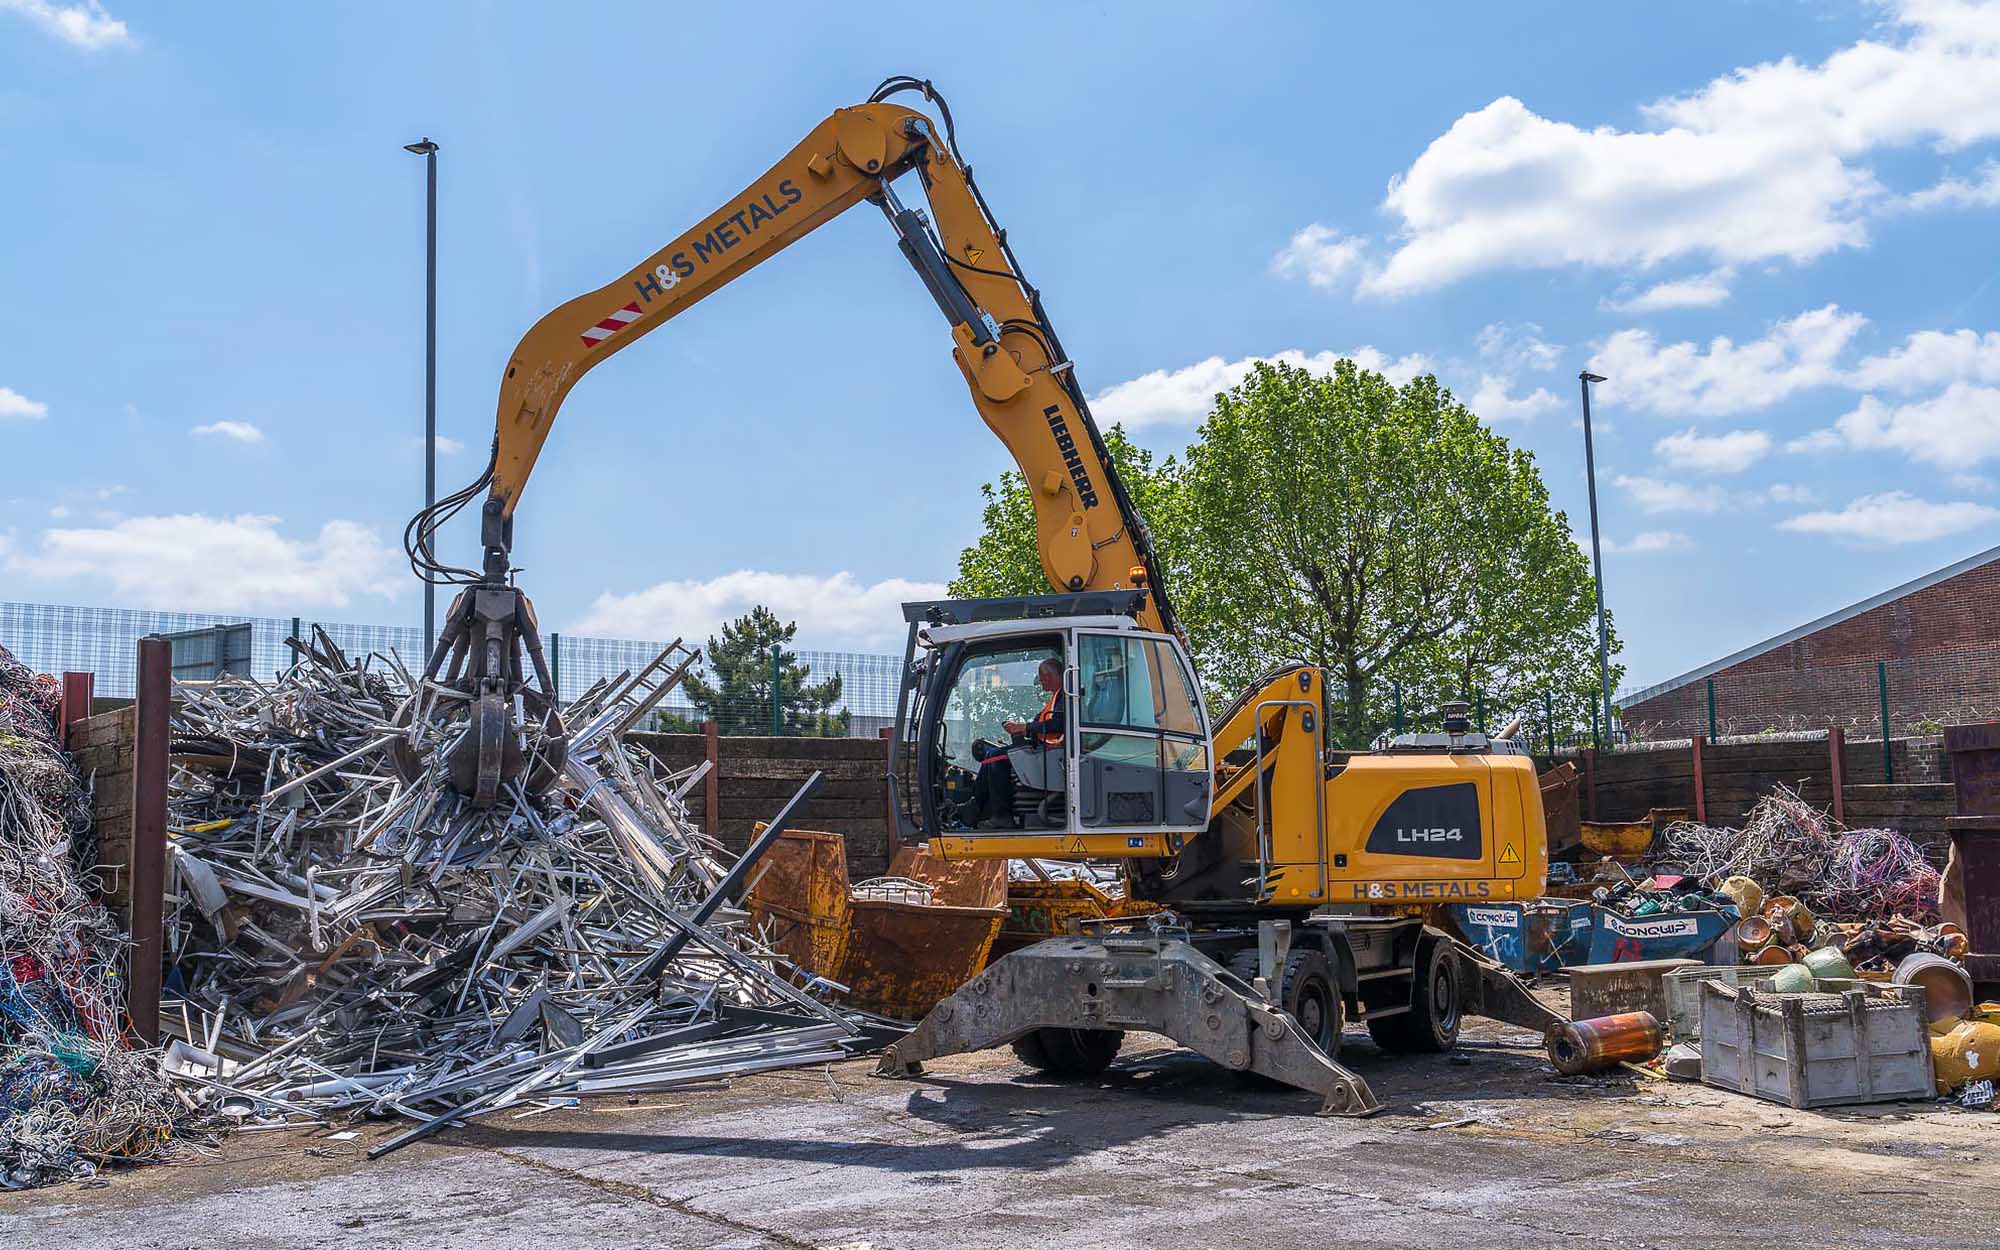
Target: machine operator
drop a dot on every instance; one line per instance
(993, 789)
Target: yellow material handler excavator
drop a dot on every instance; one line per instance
(1286, 871)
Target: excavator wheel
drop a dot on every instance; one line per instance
(1307, 991)
(1432, 1025)
(1069, 1052)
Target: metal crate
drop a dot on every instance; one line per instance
(1862, 1043)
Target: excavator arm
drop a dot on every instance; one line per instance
(1089, 535)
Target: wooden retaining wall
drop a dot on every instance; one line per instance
(1627, 784)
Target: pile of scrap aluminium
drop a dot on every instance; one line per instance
(342, 941)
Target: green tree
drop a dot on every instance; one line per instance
(737, 694)
(1386, 535)
(1380, 532)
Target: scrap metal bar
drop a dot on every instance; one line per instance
(734, 879)
(332, 765)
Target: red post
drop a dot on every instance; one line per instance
(148, 863)
(1589, 757)
(1700, 790)
(889, 792)
(1836, 750)
(77, 691)
(712, 785)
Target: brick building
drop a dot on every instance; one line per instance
(1928, 649)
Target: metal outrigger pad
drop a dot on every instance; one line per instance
(1155, 982)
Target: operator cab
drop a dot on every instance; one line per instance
(1048, 717)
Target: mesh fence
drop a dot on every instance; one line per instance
(56, 638)
(1902, 698)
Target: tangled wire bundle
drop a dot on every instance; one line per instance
(72, 1095)
(1788, 846)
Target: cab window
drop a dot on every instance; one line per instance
(1135, 683)
(991, 689)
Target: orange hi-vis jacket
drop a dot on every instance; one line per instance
(1048, 717)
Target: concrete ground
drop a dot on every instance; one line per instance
(1484, 1149)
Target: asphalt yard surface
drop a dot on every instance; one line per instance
(1483, 1149)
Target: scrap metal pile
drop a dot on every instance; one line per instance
(1789, 847)
(72, 1094)
(341, 940)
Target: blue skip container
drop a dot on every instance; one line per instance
(1543, 935)
(1663, 935)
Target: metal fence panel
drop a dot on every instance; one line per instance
(55, 638)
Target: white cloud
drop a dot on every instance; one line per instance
(1761, 164)
(1976, 482)
(1517, 345)
(59, 512)
(1183, 396)
(218, 564)
(1398, 370)
(1491, 402)
(1957, 428)
(1649, 542)
(14, 404)
(1790, 492)
(1321, 255)
(1704, 290)
(236, 431)
(837, 612)
(1655, 495)
(1818, 440)
(1718, 453)
(449, 446)
(1931, 358)
(1984, 192)
(1893, 517)
(84, 25)
(1684, 379)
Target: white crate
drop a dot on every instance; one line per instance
(1864, 1043)
(1683, 991)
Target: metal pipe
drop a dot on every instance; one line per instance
(732, 879)
(429, 151)
(1579, 1046)
(1584, 380)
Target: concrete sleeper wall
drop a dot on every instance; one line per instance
(757, 776)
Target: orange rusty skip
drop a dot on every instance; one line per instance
(898, 959)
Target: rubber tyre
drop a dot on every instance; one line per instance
(1307, 991)
(1069, 1052)
(1432, 1027)
(1312, 997)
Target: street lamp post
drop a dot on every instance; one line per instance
(428, 151)
(1584, 380)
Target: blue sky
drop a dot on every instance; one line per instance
(1772, 227)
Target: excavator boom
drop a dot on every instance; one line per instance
(1089, 535)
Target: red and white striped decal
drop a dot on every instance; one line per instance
(611, 325)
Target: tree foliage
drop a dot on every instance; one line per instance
(1380, 532)
(737, 694)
